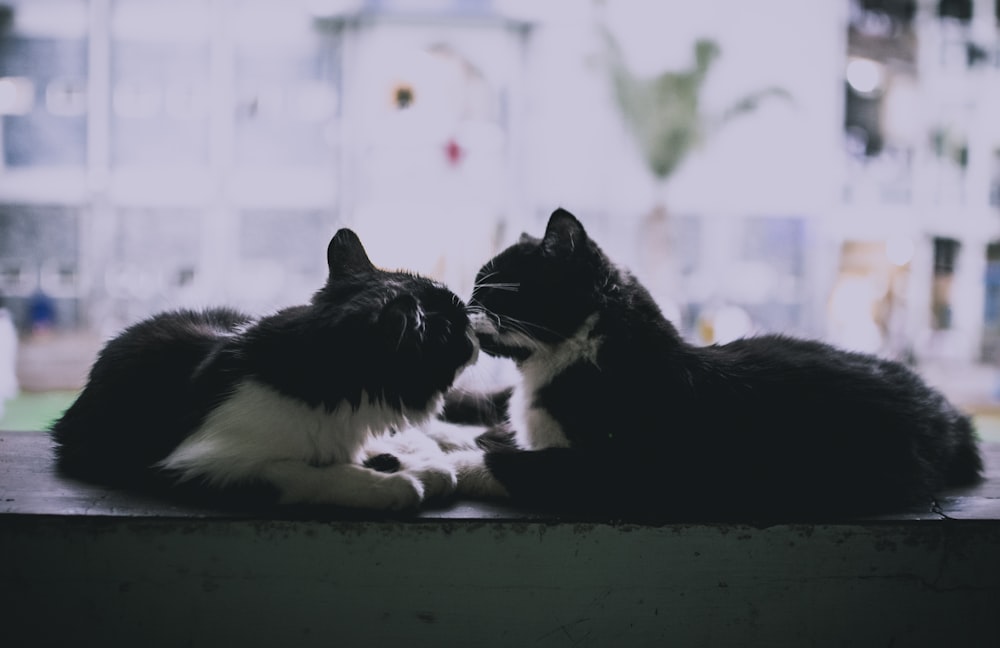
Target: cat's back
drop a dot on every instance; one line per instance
(798, 364)
(864, 413)
(177, 328)
(162, 350)
(140, 400)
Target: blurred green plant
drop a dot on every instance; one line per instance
(664, 112)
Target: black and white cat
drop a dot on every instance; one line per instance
(219, 399)
(614, 411)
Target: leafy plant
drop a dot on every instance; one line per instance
(664, 112)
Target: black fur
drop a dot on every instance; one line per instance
(767, 426)
(384, 462)
(471, 408)
(395, 336)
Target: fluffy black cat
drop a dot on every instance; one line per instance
(219, 399)
(616, 412)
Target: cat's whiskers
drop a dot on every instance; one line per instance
(480, 280)
(497, 285)
(514, 324)
(475, 309)
(524, 327)
(525, 331)
(512, 287)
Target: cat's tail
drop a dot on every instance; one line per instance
(93, 462)
(966, 465)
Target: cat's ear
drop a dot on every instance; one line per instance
(564, 234)
(346, 256)
(401, 319)
(528, 238)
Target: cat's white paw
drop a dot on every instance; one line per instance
(437, 480)
(398, 492)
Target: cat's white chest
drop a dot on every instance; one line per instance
(534, 428)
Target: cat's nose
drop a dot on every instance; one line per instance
(483, 324)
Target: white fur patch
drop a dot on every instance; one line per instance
(450, 437)
(257, 426)
(344, 485)
(418, 455)
(482, 323)
(534, 428)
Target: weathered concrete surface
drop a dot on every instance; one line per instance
(223, 582)
(84, 565)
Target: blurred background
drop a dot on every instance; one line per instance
(828, 169)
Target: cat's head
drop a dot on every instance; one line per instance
(540, 291)
(408, 336)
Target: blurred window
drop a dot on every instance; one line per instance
(43, 100)
(160, 100)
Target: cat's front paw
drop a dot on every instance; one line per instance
(437, 480)
(398, 492)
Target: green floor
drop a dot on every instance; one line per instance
(988, 426)
(35, 411)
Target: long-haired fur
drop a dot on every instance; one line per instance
(217, 398)
(615, 411)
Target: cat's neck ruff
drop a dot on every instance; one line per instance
(546, 363)
(533, 427)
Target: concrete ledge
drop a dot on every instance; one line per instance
(87, 566)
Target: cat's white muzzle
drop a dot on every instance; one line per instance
(483, 324)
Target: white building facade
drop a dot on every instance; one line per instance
(161, 154)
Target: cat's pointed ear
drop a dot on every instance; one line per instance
(564, 233)
(401, 319)
(346, 256)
